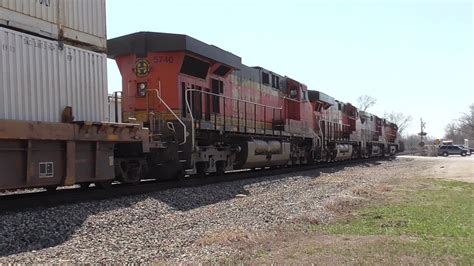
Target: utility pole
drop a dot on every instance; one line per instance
(422, 133)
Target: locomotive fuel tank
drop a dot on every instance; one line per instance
(261, 153)
(263, 147)
(344, 151)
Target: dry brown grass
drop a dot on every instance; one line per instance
(225, 238)
(307, 219)
(341, 205)
(357, 198)
(298, 247)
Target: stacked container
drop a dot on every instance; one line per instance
(52, 55)
(72, 21)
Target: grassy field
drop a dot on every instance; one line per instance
(429, 222)
(417, 221)
(421, 215)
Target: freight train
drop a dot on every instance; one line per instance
(186, 109)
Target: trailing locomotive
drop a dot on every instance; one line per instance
(209, 113)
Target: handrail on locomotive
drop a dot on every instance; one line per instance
(185, 131)
(224, 97)
(116, 99)
(188, 106)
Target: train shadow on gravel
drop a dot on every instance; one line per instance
(34, 230)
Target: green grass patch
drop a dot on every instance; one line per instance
(438, 220)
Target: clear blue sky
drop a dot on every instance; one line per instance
(414, 56)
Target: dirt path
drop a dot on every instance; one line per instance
(454, 167)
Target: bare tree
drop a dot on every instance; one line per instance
(462, 128)
(411, 142)
(453, 132)
(402, 120)
(466, 124)
(365, 102)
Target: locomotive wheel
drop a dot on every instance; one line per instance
(51, 188)
(220, 166)
(200, 169)
(180, 175)
(130, 172)
(104, 184)
(293, 162)
(355, 154)
(85, 185)
(329, 157)
(133, 175)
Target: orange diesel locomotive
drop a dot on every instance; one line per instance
(209, 113)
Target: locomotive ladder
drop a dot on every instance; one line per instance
(157, 94)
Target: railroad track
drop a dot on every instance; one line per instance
(21, 202)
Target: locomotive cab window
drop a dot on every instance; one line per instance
(196, 102)
(305, 96)
(222, 71)
(195, 67)
(275, 82)
(217, 88)
(294, 93)
(265, 78)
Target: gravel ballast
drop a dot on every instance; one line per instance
(172, 225)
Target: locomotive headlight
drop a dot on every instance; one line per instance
(142, 88)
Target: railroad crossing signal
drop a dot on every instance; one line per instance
(422, 133)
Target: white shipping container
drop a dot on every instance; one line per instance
(38, 80)
(81, 21)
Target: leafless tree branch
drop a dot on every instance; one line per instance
(402, 120)
(365, 102)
